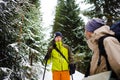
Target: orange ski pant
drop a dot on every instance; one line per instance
(61, 75)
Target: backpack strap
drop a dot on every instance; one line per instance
(102, 52)
(61, 54)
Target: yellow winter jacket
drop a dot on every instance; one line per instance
(58, 62)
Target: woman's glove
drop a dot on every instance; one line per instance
(47, 56)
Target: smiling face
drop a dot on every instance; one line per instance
(58, 39)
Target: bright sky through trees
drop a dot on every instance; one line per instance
(48, 12)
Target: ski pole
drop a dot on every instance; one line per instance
(44, 70)
(72, 76)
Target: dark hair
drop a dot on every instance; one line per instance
(53, 43)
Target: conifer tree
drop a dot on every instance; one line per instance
(108, 9)
(68, 21)
(21, 40)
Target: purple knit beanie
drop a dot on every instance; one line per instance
(93, 24)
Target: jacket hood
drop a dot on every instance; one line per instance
(104, 30)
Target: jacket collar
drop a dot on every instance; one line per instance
(59, 44)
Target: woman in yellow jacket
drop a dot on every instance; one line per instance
(60, 70)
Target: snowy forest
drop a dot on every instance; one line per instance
(23, 43)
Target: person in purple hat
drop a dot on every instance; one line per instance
(100, 40)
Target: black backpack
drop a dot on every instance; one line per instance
(116, 28)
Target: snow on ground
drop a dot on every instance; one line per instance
(38, 69)
(76, 76)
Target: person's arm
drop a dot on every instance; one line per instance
(70, 54)
(48, 55)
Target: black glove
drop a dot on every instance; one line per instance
(46, 57)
